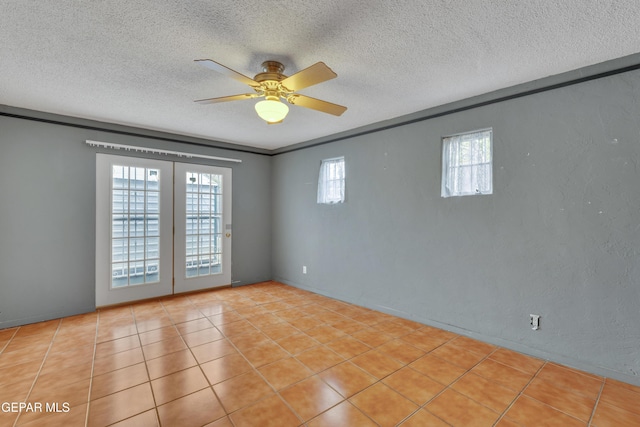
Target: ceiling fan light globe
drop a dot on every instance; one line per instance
(271, 111)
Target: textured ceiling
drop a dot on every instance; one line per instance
(131, 62)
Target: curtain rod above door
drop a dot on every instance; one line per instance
(157, 151)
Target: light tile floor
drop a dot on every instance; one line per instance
(272, 355)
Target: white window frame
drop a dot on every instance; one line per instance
(476, 161)
(331, 181)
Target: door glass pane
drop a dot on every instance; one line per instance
(136, 249)
(121, 177)
(119, 226)
(203, 223)
(216, 243)
(119, 276)
(216, 263)
(216, 204)
(153, 248)
(138, 178)
(204, 246)
(120, 200)
(119, 250)
(216, 224)
(136, 273)
(153, 183)
(205, 202)
(192, 245)
(192, 203)
(192, 266)
(136, 226)
(203, 265)
(153, 205)
(192, 225)
(152, 270)
(135, 218)
(205, 228)
(153, 225)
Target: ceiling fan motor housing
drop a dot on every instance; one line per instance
(271, 70)
(270, 80)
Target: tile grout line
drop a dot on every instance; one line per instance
(523, 388)
(174, 324)
(448, 386)
(146, 366)
(277, 392)
(132, 312)
(15, 422)
(9, 340)
(293, 356)
(226, 414)
(567, 390)
(93, 363)
(595, 406)
(118, 369)
(35, 380)
(520, 393)
(258, 372)
(345, 399)
(406, 365)
(380, 380)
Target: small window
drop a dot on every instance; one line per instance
(331, 181)
(466, 164)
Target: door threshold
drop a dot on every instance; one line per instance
(160, 298)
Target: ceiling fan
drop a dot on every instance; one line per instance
(273, 86)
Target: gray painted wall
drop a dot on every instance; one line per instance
(560, 236)
(47, 215)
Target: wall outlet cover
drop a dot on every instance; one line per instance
(535, 321)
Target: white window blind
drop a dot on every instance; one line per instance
(331, 181)
(467, 164)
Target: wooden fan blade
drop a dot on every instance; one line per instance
(316, 104)
(317, 73)
(212, 65)
(227, 98)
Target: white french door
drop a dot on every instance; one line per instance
(137, 254)
(202, 257)
(134, 222)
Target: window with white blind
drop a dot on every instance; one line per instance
(331, 181)
(467, 164)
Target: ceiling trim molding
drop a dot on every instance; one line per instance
(69, 122)
(594, 72)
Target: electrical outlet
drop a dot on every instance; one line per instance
(304, 269)
(535, 321)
